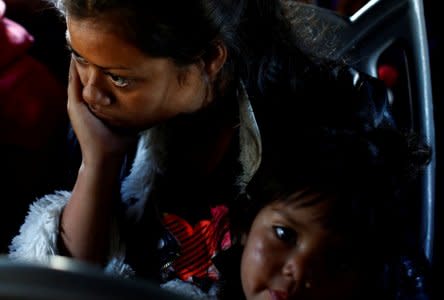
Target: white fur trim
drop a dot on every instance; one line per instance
(37, 239)
(117, 267)
(250, 140)
(137, 185)
(189, 290)
(116, 264)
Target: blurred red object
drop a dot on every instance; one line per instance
(389, 74)
(32, 100)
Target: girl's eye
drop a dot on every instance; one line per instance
(285, 234)
(119, 81)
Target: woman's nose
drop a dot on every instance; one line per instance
(92, 93)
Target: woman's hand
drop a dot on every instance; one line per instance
(86, 219)
(100, 145)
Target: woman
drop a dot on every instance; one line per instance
(180, 79)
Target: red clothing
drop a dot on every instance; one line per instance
(198, 245)
(32, 100)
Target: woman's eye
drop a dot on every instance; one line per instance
(285, 234)
(119, 81)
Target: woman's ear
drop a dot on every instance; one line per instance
(215, 59)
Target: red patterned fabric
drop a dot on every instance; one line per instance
(198, 244)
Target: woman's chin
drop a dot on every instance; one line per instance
(122, 128)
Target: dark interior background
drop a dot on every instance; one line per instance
(29, 173)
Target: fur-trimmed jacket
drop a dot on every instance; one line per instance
(37, 239)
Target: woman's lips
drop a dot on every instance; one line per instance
(113, 124)
(278, 295)
(98, 114)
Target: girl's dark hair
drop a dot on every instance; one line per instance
(347, 146)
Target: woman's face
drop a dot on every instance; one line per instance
(289, 254)
(127, 88)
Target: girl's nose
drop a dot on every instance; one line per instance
(298, 268)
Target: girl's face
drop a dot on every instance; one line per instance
(125, 87)
(289, 254)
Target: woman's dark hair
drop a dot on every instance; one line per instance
(256, 34)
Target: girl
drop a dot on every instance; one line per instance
(331, 217)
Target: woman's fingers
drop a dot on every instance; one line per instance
(97, 140)
(78, 110)
(74, 84)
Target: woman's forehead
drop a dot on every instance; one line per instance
(102, 46)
